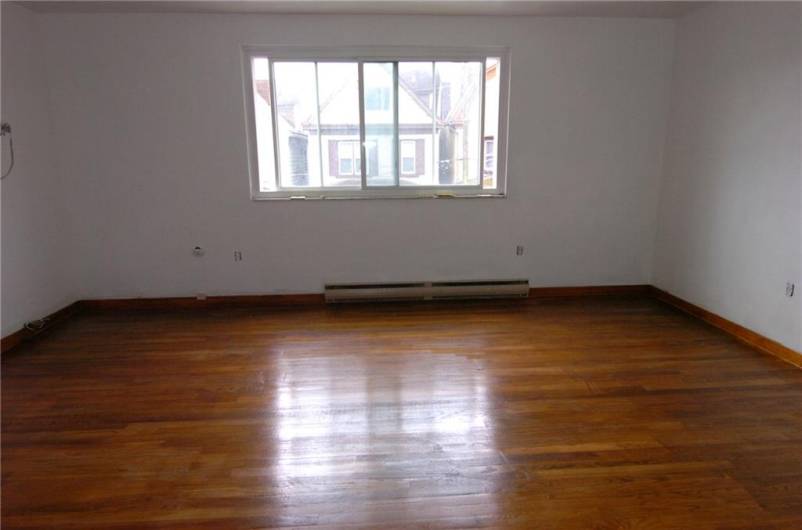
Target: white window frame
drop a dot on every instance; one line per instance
(387, 54)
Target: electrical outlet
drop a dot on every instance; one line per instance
(519, 250)
(789, 289)
(198, 251)
(200, 296)
(237, 255)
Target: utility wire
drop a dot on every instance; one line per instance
(5, 128)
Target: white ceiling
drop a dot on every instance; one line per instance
(599, 8)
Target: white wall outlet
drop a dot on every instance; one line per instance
(789, 289)
(519, 250)
(200, 296)
(237, 255)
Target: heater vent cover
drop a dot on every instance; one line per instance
(448, 290)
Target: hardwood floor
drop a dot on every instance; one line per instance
(551, 414)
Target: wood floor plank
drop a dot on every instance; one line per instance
(551, 414)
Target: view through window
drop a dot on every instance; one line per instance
(332, 127)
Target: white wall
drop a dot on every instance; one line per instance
(146, 158)
(36, 270)
(148, 112)
(729, 232)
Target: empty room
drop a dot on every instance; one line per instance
(401, 264)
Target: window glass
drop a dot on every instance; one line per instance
(263, 122)
(346, 158)
(378, 98)
(338, 91)
(408, 157)
(416, 123)
(298, 141)
(380, 122)
(457, 108)
(489, 162)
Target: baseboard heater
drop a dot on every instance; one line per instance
(453, 290)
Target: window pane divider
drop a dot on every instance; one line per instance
(319, 129)
(274, 112)
(435, 142)
(397, 135)
(483, 73)
(363, 159)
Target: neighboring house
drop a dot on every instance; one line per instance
(433, 150)
(339, 124)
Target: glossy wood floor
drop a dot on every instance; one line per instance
(595, 413)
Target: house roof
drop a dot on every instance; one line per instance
(332, 98)
(455, 115)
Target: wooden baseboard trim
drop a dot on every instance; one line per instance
(273, 300)
(741, 333)
(590, 290)
(23, 335)
(269, 300)
(745, 335)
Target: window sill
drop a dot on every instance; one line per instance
(441, 196)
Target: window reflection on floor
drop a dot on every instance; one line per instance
(369, 423)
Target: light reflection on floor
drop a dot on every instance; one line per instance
(412, 426)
